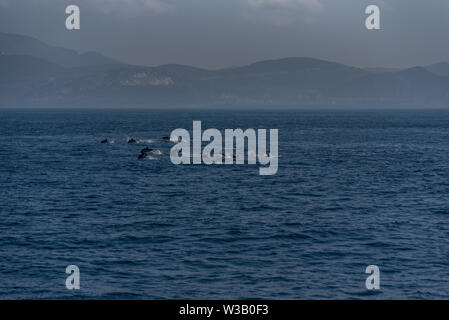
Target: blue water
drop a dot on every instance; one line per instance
(354, 188)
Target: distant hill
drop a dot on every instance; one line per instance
(441, 68)
(31, 80)
(381, 70)
(13, 44)
(20, 67)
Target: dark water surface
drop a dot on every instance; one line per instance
(354, 188)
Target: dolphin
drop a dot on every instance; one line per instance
(146, 149)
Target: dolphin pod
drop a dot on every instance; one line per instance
(143, 152)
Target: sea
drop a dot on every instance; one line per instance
(353, 189)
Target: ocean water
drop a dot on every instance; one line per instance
(354, 188)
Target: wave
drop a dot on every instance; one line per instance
(144, 141)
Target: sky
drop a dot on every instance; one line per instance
(222, 33)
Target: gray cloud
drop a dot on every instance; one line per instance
(133, 6)
(289, 4)
(281, 12)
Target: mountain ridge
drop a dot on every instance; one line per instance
(38, 80)
(15, 44)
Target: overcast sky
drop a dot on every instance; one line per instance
(221, 33)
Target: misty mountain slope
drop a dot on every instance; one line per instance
(285, 80)
(13, 44)
(293, 72)
(20, 67)
(411, 87)
(26, 79)
(381, 70)
(441, 68)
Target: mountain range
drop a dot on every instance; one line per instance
(33, 73)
